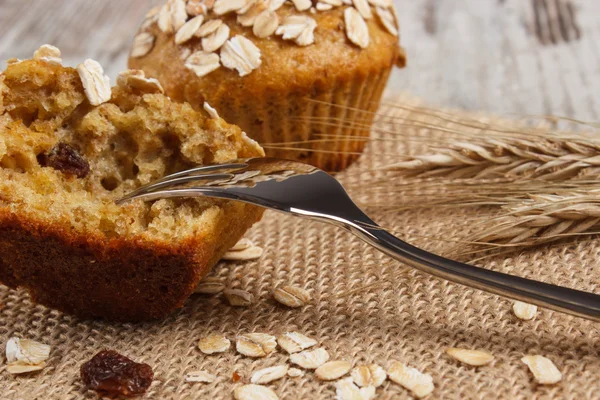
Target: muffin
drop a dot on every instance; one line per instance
(302, 78)
(69, 147)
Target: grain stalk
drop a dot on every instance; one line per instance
(552, 159)
(542, 219)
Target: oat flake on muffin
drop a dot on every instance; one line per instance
(278, 68)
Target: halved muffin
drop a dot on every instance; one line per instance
(69, 147)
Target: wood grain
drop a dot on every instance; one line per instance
(519, 57)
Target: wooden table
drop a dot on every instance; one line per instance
(505, 56)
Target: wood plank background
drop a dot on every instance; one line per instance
(510, 57)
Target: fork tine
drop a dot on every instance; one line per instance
(207, 168)
(167, 180)
(154, 186)
(173, 193)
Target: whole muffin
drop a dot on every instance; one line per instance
(302, 78)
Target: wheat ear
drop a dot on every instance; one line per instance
(548, 159)
(542, 219)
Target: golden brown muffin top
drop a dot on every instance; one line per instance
(274, 42)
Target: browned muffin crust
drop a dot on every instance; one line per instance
(297, 94)
(63, 162)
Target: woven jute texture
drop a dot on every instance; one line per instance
(409, 316)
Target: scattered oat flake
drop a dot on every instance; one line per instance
(210, 285)
(418, 383)
(208, 27)
(211, 111)
(18, 367)
(369, 375)
(254, 392)
(470, 357)
(136, 79)
(293, 342)
(241, 54)
(142, 44)
(333, 370)
(270, 374)
(335, 3)
(295, 372)
(13, 60)
(266, 24)
(251, 253)
(255, 344)
(345, 389)
(291, 296)
(238, 298)
(302, 5)
(95, 84)
(200, 376)
(202, 63)
(387, 19)
(48, 53)
(26, 351)
(242, 244)
(222, 7)
(543, 369)
(215, 40)
(214, 344)
(187, 31)
(524, 311)
(356, 28)
(172, 16)
(310, 359)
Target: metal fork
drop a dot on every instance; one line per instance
(305, 191)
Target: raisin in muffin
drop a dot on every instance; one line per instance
(69, 146)
(303, 78)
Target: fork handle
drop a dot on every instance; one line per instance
(570, 301)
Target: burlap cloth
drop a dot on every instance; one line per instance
(414, 319)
